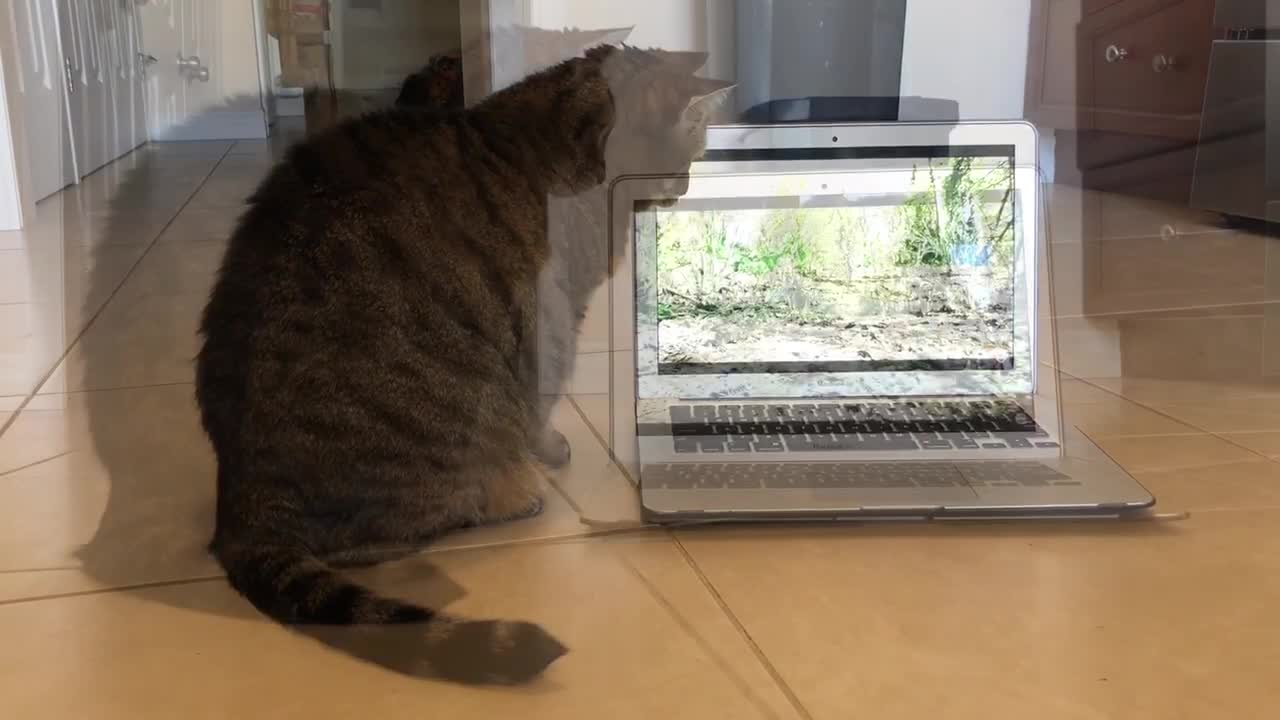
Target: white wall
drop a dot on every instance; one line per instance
(971, 51)
(669, 24)
(10, 197)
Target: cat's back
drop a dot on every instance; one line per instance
(392, 225)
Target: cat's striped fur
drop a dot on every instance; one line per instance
(368, 376)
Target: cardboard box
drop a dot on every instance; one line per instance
(297, 17)
(300, 26)
(304, 62)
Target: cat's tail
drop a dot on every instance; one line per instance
(294, 587)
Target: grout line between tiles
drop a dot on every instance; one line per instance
(114, 388)
(110, 590)
(744, 687)
(1199, 430)
(4, 426)
(763, 659)
(37, 463)
(573, 402)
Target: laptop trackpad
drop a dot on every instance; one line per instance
(937, 485)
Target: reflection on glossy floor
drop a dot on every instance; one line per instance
(110, 608)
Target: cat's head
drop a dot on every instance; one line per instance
(437, 86)
(642, 112)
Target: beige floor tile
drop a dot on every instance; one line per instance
(60, 293)
(1248, 485)
(1172, 392)
(1171, 452)
(1112, 417)
(595, 410)
(201, 225)
(117, 488)
(1079, 391)
(1137, 620)
(646, 641)
(1264, 442)
(1228, 415)
(139, 340)
(174, 270)
(594, 484)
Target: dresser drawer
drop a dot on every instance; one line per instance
(1155, 64)
(1089, 7)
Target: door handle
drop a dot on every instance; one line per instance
(193, 68)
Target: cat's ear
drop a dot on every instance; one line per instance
(707, 94)
(709, 88)
(682, 61)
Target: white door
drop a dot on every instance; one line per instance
(205, 83)
(104, 79)
(39, 75)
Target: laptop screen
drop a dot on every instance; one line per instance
(904, 261)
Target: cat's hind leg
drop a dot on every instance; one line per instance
(511, 492)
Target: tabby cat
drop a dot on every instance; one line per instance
(368, 374)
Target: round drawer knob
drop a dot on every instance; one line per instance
(1115, 53)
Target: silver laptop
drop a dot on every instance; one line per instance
(846, 322)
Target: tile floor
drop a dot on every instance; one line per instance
(110, 608)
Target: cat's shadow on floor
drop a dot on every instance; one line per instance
(153, 534)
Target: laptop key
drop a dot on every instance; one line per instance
(829, 442)
(690, 429)
(686, 445)
(769, 443)
(799, 443)
(711, 444)
(704, 412)
(740, 444)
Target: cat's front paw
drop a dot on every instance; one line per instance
(553, 450)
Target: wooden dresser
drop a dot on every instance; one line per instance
(1147, 283)
(1122, 84)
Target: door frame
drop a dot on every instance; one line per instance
(478, 21)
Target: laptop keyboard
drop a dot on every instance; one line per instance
(908, 425)
(818, 476)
